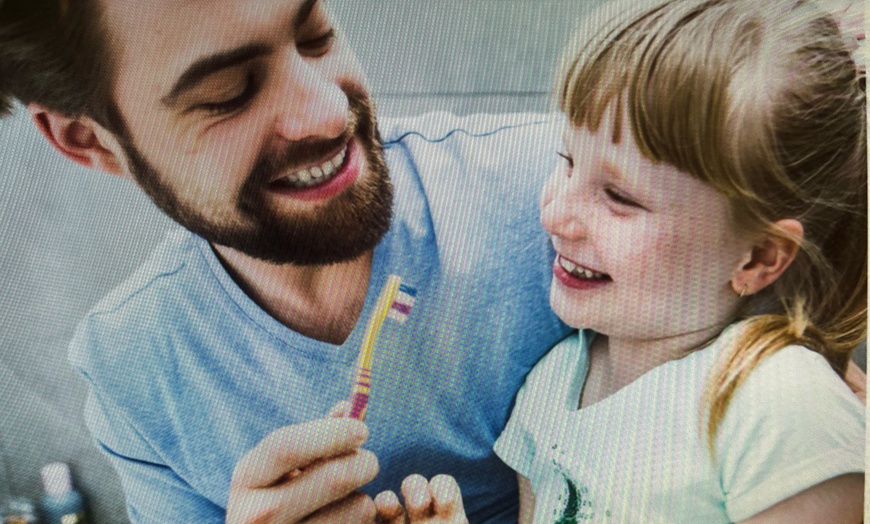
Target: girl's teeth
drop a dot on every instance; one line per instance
(578, 271)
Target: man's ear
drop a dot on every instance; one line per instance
(79, 139)
(768, 258)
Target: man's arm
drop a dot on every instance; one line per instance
(857, 381)
(307, 472)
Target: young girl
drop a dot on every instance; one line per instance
(710, 225)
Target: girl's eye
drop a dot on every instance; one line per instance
(620, 198)
(568, 159)
(318, 46)
(235, 103)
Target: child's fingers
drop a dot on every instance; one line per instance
(447, 499)
(342, 409)
(390, 510)
(418, 502)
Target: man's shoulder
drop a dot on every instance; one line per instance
(439, 126)
(494, 165)
(171, 256)
(128, 316)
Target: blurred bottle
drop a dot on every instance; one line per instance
(18, 510)
(61, 504)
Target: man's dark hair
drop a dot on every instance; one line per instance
(55, 53)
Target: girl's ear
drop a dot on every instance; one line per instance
(770, 255)
(79, 139)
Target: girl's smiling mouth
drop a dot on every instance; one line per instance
(575, 276)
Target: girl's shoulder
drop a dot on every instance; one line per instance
(792, 424)
(795, 377)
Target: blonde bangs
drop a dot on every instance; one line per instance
(687, 73)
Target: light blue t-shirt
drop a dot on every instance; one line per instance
(641, 454)
(187, 373)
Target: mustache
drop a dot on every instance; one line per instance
(304, 152)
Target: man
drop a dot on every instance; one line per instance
(248, 122)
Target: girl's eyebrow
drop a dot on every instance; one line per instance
(611, 169)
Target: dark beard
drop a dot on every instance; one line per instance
(349, 225)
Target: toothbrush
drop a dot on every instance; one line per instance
(395, 302)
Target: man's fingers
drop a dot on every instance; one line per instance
(323, 485)
(447, 499)
(390, 510)
(332, 480)
(293, 447)
(357, 508)
(857, 381)
(418, 502)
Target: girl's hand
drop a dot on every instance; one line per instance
(426, 502)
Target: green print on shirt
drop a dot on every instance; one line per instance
(572, 506)
(577, 509)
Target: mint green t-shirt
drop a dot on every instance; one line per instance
(641, 455)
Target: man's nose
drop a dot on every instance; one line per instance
(312, 105)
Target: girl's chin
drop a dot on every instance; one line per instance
(568, 311)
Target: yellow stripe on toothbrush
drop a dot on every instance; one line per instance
(385, 301)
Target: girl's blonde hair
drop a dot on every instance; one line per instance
(763, 101)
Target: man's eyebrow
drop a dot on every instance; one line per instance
(211, 64)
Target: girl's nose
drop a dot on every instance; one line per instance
(561, 209)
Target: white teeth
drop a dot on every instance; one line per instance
(316, 174)
(567, 265)
(577, 271)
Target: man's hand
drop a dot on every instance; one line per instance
(856, 380)
(305, 473)
(426, 502)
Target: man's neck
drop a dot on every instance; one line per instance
(319, 302)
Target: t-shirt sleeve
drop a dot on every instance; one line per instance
(793, 424)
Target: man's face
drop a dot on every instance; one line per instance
(249, 123)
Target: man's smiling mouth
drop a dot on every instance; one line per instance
(314, 175)
(578, 271)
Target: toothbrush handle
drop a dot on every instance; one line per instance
(360, 397)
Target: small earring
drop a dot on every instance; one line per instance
(744, 290)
